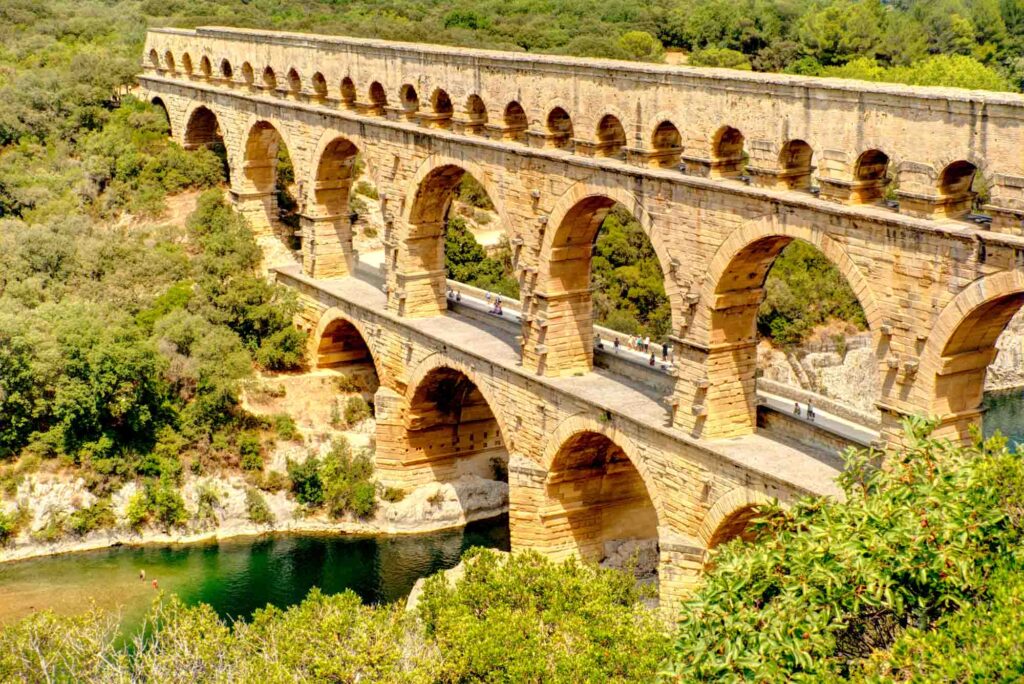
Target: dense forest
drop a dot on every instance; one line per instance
(124, 344)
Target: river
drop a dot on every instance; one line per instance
(237, 576)
(1005, 412)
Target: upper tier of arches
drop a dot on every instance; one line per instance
(670, 140)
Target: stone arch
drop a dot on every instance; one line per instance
(259, 202)
(563, 297)
(347, 93)
(226, 71)
(154, 59)
(442, 109)
(186, 64)
(169, 61)
(294, 82)
(956, 180)
(319, 87)
(474, 115)
(598, 492)
(205, 68)
(870, 176)
(514, 122)
(158, 102)
(728, 156)
(420, 277)
(666, 144)
(453, 426)
(327, 221)
(269, 79)
(378, 97)
(795, 164)
(611, 136)
(323, 340)
(559, 127)
(248, 77)
(731, 295)
(961, 346)
(202, 128)
(409, 99)
(726, 512)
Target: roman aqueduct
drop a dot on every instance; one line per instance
(723, 169)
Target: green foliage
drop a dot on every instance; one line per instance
(641, 46)
(306, 483)
(284, 426)
(472, 193)
(208, 497)
(256, 508)
(957, 71)
(720, 57)
(829, 582)
(346, 481)
(524, 618)
(467, 262)
(803, 290)
(393, 494)
(158, 503)
(98, 516)
(250, 451)
(356, 410)
(366, 189)
(8, 528)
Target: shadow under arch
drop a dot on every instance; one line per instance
(334, 333)
(731, 296)
(563, 281)
(960, 348)
(599, 494)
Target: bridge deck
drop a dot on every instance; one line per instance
(616, 393)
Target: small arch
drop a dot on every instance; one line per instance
(378, 97)
(611, 137)
(957, 178)
(871, 165)
(341, 347)
(248, 77)
(736, 525)
(154, 59)
(334, 321)
(515, 122)
(795, 160)
(348, 92)
(226, 71)
(409, 99)
(294, 82)
(269, 79)
(728, 157)
(186, 64)
(559, 125)
(476, 114)
(169, 61)
(205, 68)
(667, 144)
(319, 86)
(441, 103)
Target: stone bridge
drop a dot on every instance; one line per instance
(915, 194)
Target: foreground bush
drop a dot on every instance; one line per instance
(524, 620)
(830, 583)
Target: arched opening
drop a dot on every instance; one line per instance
(871, 179)
(294, 83)
(454, 232)
(559, 128)
(319, 87)
(348, 92)
(476, 113)
(452, 431)
(154, 59)
(611, 137)
(442, 107)
(226, 71)
(341, 348)
(169, 61)
(514, 122)
(785, 317)
(956, 187)
(667, 145)
(269, 80)
(205, 68)
(248, 77)
(186, 64)
(737, 525)
(409, 100)
(795, 159)
(158, 102)
(378, 99)
(329, 222)
(271, 208)
(601, 505)
(728, 158)
(601, 270)
(203, 130)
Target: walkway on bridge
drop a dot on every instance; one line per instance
(616, 393)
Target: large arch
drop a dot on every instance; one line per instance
(559, 340)
(257, 196)
(960, 348)
(419, 286)
(598, 495)
(202, 128)
(335, 326)
(731, 296)
(327, 222)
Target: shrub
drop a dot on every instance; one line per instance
(100, 515)
(257, 509)
(284, 426)
(250, 451)
(365, 189)
(346, 481)
(370, 231)
(55, 529)
(356, 410)
(349, 383)
(274, 481)
(8, 528)
(393, 494)
(306, 482)
(284, 350)
(159, 502)
(208, 498)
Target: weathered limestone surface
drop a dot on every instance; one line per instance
(670, 145)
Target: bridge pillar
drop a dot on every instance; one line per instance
(327, 250)
(417, 284)
(680, 566)
(1007, 204)
(558, 333)
(920, 195)
(257, 208)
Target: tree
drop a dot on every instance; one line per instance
(720, 57)
(641, 46)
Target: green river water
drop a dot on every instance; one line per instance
(237, 576)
